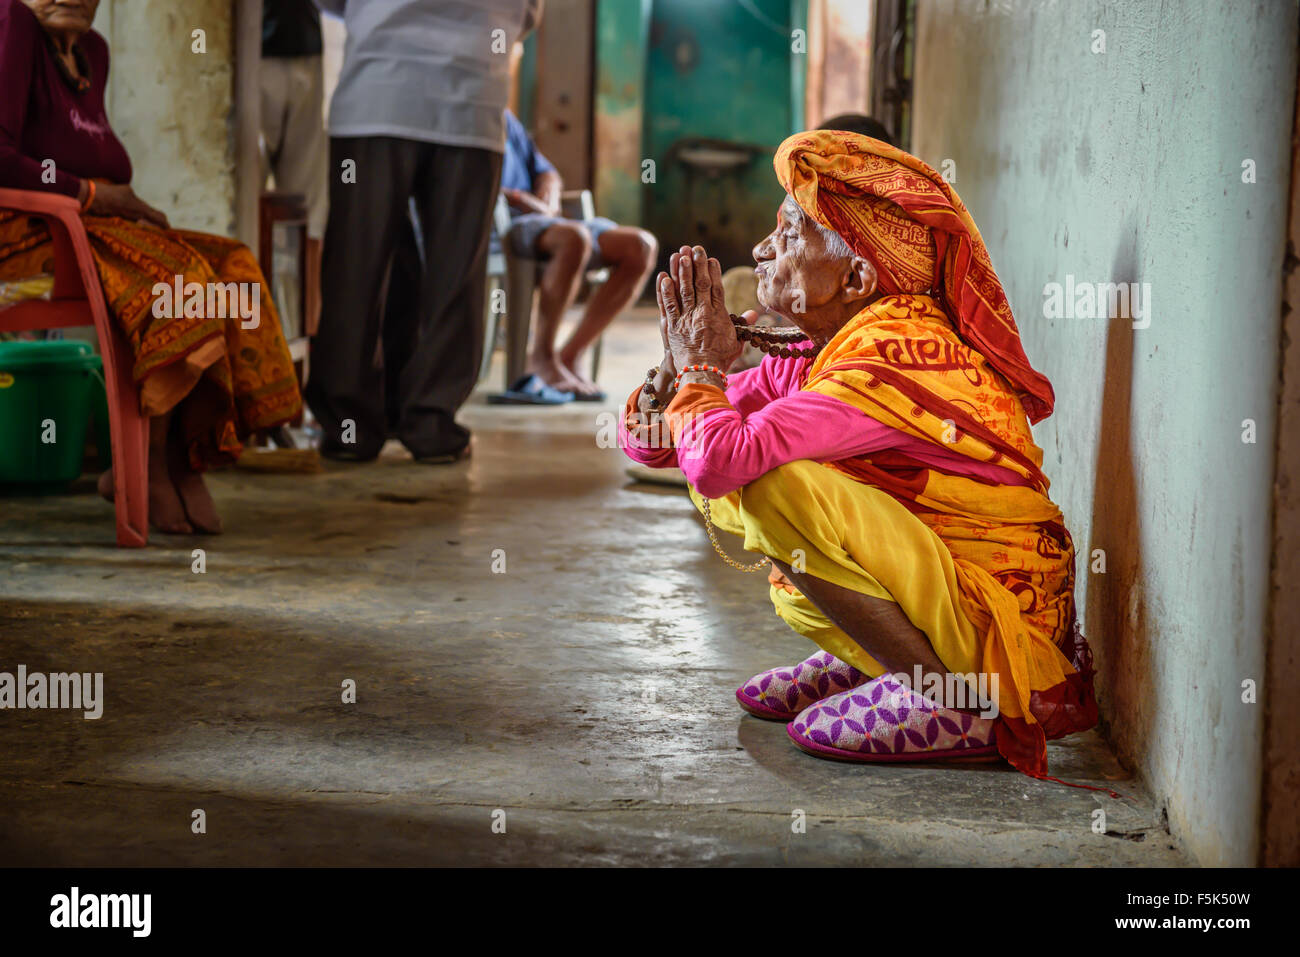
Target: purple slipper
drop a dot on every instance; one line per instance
(780, 694)
(885, 720)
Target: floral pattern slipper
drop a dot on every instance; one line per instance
(885, 720)
(780, 694)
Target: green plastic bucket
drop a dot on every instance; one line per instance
(47, 392)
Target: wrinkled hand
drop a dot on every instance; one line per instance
(113, 199)
(696, 327)
(663, 382)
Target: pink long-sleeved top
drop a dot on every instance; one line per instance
(765, 419)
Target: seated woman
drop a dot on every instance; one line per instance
(881, 459)
(205, 381)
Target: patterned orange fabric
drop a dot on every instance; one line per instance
(903, 364)
(224, 381)
(900, 214)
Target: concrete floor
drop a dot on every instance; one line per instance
(586, 692)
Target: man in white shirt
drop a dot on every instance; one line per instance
(416, 121)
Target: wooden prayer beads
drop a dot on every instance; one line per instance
(776, 342)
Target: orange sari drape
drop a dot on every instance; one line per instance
(223, 381)
(899, 213)
(902, 363)
(954, 374)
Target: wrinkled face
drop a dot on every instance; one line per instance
(70, 18)
(798, 273)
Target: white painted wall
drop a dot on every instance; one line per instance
(1127, 166)
(171, 107)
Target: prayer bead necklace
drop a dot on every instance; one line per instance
(776, 342)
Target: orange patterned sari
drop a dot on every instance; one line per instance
(940, 357)
(902, 363)
(896, 211)
(223, 381)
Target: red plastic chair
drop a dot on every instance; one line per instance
(78, 300)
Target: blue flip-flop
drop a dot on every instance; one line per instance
(531, 390)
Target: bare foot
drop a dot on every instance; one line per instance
(193, 493)
(553, 373)
(574, 381)
(105, 486)
(166, 514)
(581, 384)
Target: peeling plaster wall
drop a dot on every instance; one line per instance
(172, 107)
(1281, 803)
(1127, 166)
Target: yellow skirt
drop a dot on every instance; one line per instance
(860, 538)
(822, 522)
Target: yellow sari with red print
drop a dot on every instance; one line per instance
(902, 363)
(939, 357)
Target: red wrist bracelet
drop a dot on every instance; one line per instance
(700, 368)
(90, 195)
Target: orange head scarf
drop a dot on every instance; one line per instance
(897, 212)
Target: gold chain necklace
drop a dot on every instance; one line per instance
(717, 546)
(776, 342)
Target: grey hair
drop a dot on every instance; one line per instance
(836, 245)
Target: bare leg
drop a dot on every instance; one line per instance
(312, 304)
(194, 496)
(878, 626)
(566, 247)
(631, 253)
(166, 513)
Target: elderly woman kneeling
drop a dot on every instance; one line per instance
(881, 460)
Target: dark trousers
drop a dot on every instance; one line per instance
(432, 329)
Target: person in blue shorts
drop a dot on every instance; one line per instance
(569, 247)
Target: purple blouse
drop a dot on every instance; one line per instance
(42, 117)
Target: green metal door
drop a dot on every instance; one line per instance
(722, 78)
